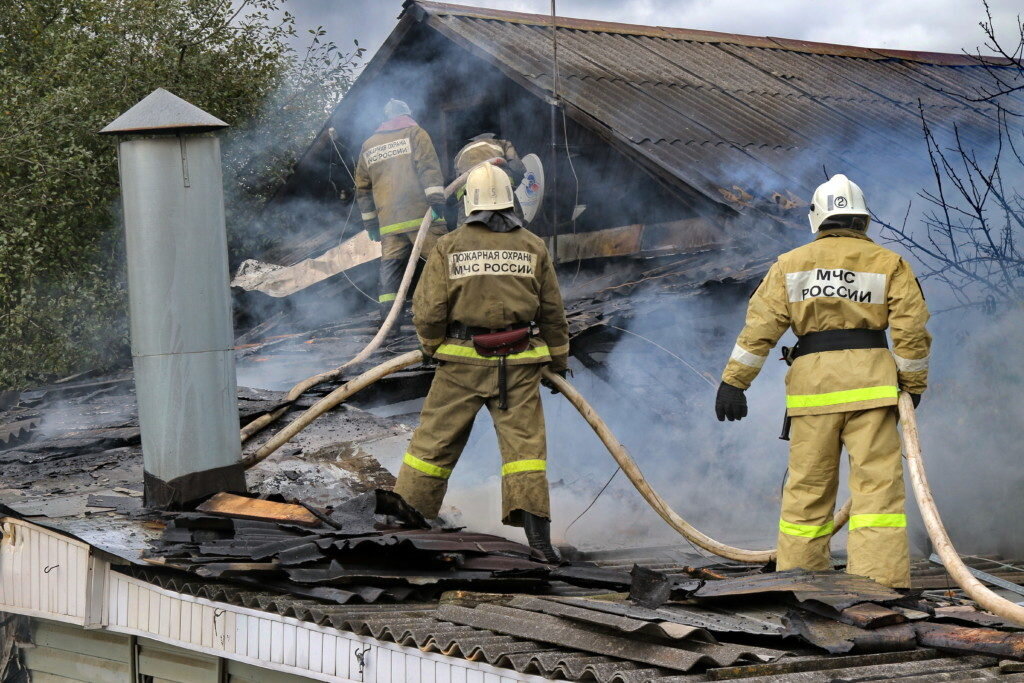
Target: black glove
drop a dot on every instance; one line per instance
(428, 359)
(551, 385)
(916, 398)
(373, 230)
(730, 403)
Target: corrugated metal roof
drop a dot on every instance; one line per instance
(710, 107)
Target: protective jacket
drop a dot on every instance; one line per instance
(479, 150)
(398, 177)
(840, 281)
(481, 278)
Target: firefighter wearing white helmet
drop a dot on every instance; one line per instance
(489, 307)
(839, 294)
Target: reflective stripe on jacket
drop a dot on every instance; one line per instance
(492, 280)
(842, 280)
(397, 177)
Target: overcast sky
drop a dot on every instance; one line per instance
(932, 25)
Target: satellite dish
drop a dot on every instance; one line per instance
(531, 191)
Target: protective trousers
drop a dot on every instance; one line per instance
(877, 545)
(395, 250)
(457, 393)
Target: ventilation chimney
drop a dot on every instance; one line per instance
(180, 301)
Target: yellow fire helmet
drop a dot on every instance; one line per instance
(488, 189)
(839, 196)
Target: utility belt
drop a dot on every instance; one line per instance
(834, 340)
(830, 340)
(500, 344)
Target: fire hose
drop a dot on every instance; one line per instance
(329, 401)
(396, 308)
(659, 504)
(922, 492)
(617, 450)
(941, 542)
(933, 522)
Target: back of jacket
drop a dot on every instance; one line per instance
(397, 177)
(492, 280)
(479, 151)
(840, 281)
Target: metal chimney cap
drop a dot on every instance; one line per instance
(162, 111)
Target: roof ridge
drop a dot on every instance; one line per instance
(705, 36)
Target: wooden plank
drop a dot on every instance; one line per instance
(619, 241)
(862, 615)
(93, 643)
(870, 615)
(176, 664)
(230, 505)
(76, 666)
(240, 672)
(43, 677)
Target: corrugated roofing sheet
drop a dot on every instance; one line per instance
(712, 107)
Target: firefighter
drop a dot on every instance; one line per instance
(481, 148)
(489, 311)
(398, 177)
(839, 294)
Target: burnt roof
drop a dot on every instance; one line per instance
(706, 107)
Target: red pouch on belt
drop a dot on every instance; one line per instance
(502, 343)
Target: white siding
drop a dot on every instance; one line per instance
(82, 589)
(43, 573)
(280, 643)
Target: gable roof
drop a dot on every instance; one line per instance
(707, 109)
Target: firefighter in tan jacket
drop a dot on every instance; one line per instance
(489, 310)
(484, 147)
(398, 177)
(839, 294)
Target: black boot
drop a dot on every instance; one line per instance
(538, 533)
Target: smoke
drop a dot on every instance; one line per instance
(726, 478)
(650, 382)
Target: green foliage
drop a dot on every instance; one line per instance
(69, 67)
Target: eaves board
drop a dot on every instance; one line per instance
(583, 116)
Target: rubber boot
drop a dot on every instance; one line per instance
(538, 534)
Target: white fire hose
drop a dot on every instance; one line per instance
(943, 546)
(664, 510)
(330, 401)
(912, 446)
(396, 309)
(617, 450)
(933, 523)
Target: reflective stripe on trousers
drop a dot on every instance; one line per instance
(425, 467)
(878, 521)
(806, 530)
(518, 466)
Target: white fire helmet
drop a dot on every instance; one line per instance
(488, 189)
(840, 196)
